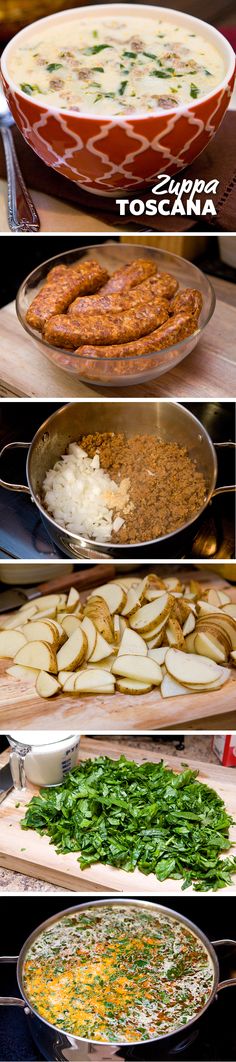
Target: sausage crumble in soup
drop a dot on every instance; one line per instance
(118, 974)
(122, 66)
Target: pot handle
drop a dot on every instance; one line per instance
(20, 487)
(223, 490)
(231, 980)
(11, 1001)
(220, 446)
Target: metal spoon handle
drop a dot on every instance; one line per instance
(22, 215)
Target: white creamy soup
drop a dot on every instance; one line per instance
(121, 65)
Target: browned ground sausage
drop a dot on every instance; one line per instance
(189, 300)
(175, 329)
(154, 287)
(69, 332)
(57, 293)
(129, 276)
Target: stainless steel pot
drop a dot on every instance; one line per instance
(55, 1044)
(170, 421)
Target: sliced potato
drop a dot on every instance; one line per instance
(158, 639)
(213, 598)
(225, 623)
(216, 633)
(91, 635)
(94, 681)
(206, 645)
(146, 618)
(26, 611)
(46, 685)
(73, 652)
(152, 593)
(189, 624)
(97, 610)
(123, 625)
(48, 601)
(69, 684)
(204, 608)
(125, 685)
(132, 642)
(190, 642)
(190, 668)
(70, 623)
(116, 628)
(156, 633)
(63, 676)
(23, 673)
(230, 610)
(158, 654)
(172, 583)
(10, 642)
(50, 613)
(171, 688)
(233, 657)
(113, 594)
(132, 601)
(106, 662)
(73, 599)
(141, 668)
(224, 598)
(174, 634)
(38, 654)
(223, 676)
(101, 649)
(40, 631)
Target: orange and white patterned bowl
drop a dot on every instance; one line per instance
(104, 154)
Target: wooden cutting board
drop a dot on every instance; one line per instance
(21, 707)
(28, 853)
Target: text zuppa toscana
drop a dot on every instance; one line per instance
(122, 66)
(118, 974)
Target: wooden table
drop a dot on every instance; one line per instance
(30, 854)
(209, 370)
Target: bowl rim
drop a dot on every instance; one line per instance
(124, 357)
(158, 112)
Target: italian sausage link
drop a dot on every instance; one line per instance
(190, 300)
(154, 287)
(173, 331)
(57, 293)
(70, 332)
(129, 276)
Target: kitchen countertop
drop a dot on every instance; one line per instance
(196, 746)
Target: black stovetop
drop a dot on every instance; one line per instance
(22, 533)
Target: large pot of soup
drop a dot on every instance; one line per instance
(168, 460)
(114, 94)
(114, 978)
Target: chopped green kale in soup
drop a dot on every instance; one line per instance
(118, 973)
(123, 66)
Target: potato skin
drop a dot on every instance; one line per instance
(63, 284)
(189, 300)
(69, 332)
(172, 331)
(116, 302)
(129, 276)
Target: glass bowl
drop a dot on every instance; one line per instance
(128, 370)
